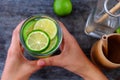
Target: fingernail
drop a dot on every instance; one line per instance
(41, 63)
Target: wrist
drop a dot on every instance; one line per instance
(14, 77)
(90, 72)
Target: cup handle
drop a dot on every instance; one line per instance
(105, 44)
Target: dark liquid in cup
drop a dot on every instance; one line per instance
(114, 49)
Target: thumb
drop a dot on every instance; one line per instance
(51, 61)
(33, 66)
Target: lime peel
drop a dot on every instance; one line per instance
(28, 28)
(62, 7)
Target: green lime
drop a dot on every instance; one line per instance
(48, 26)
(52, 45)
(62, 7)
(37, 41)
(28, 28)
(118, 30)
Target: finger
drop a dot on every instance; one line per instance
(50, 61)
(62, 45)
(15, 37)
(65, 31)
(33, 66)
(15, 43)
(15, 46)
(37, 65)
(67, 37)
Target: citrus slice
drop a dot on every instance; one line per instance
(37, 41)
(48, 26)
(28, 28)
(52, 45)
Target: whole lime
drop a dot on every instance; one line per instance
(118, 30)
(62, 7)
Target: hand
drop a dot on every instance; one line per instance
(17, 67)
(73, 59)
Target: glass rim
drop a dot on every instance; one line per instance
(107, 11)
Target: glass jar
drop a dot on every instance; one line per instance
(104, 18)
(28, 27)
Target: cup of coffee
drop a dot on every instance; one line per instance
(105, 53)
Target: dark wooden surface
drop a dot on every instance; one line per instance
(14, 11)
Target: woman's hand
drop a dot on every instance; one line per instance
(17, 67)
(73, 59)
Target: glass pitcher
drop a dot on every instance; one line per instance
(104, 19)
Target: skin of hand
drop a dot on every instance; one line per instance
(17, 67)
(73, 59)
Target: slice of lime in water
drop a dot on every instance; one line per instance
(52, 45)
(37, 41)
(48, 26)
(28, 28)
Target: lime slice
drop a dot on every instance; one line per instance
(52, 45)
(48, 26)
(28, 28)
(37, 41)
